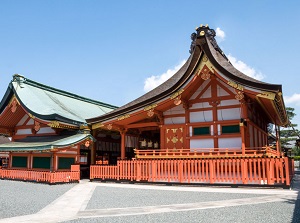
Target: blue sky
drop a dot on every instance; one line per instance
(109, 50)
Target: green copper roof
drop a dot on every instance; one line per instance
(53, 104)
(43, 143)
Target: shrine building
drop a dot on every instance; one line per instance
(48, 131)
(207, 124)
(209, 114)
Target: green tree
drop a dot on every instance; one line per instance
(290, 133)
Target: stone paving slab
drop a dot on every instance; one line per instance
(167, 204)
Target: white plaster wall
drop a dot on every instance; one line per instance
(175, 120)
(229, 102)
(211, 129)
(230, 142)
(229, 114)
(23, 132)
(45, 130)
(200, 105)
(202, 116)
(30, 122)
(21, 122)
(201, 144)
(219, 129)
(175, 110)
(221, 91)
(207, 93)
(197, 92)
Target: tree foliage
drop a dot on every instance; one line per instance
(290, 133)
(290, 130)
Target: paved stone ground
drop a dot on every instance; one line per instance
(121, 202)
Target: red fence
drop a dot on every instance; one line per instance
(202, 153)
(42, 176)
(269, 171)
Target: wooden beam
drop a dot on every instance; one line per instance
(144, 124)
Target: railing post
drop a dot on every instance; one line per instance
(138, 170)
(180, 171)
(287, 172)
(211, 171)
(92, 174)
(244, 171)
(51, 177)
(153, 164)
(271, 171)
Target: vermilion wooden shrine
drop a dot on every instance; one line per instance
(49, 137)
(206, 124)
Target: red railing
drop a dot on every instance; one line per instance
(269, 171)
(205, 153)
(42, 176)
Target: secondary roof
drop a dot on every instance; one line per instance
(52, 104)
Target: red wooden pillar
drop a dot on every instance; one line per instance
(54, 161)
(30, 161)
(10, 160)
(93, 149)
(123, 139)
(278, 139)
(186, 107)
(243, 128)
(214, 103)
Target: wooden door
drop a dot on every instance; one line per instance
(175, 137)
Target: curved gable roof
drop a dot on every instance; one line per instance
(49, 103)
(220, 61)
(203, 42)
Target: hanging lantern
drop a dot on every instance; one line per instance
(143, 143)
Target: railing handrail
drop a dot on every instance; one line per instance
(235, 170)
(207, 152)
(41, 175)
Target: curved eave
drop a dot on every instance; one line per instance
(226, 68)
(50, 117)
(220, 62)
(164, 90)
(45, 146)
(6, 98)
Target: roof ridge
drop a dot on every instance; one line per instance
(61, 92)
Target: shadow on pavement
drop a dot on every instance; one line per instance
(296, 187)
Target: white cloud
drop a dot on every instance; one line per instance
(220, 34)
(244, 68)
(294, 99)
(154, 81)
